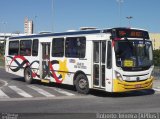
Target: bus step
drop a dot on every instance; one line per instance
(45, 81)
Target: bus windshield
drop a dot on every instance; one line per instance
(133, 54)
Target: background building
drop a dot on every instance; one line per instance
(3, 36)
(28, 26)
(155, 37)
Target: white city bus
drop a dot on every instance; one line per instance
(113, 60)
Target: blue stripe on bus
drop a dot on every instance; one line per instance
(58, 34)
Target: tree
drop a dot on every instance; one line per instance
(1, 49)
(156, 57)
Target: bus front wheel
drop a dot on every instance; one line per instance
(28, 75)
(81, 84)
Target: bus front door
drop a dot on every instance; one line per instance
(45, 70)
(99, 63)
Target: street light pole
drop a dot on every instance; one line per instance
(35, 24)
(119, 4)
(5, 29)
(129, 20)
(52, 22)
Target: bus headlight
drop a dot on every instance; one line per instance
(118, 76)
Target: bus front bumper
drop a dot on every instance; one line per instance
(123, 86)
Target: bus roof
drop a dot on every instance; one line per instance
(81, 32)
(58, 34)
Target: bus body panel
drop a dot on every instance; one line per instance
(123, 86)
(64, 69)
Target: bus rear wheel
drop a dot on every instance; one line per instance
(81, 84)
(28, 75)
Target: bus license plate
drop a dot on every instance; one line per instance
(138, 86)
(128, 63)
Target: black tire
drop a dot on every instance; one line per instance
(81, 84)
(28, 75)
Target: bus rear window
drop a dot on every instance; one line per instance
(13, 47)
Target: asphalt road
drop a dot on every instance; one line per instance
(75, 106)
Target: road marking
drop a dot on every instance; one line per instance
(63, 92)
(44, 98)
(20, 91)
(156, 89)
(41, 91)
(3, 95)
(5, 83)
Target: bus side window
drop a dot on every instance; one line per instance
(13, 48)
(35, 47)
(81, 47)
(58, 47)
(25, 47)
(75, 47)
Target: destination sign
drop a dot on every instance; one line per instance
(130, 33)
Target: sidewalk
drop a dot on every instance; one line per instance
(1, 66)
(156, 83)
